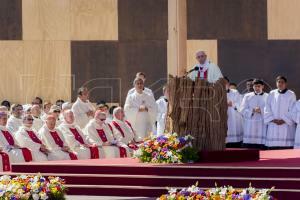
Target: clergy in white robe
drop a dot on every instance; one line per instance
(15, 120)
(122, 129)
(83, 110)
(37, 121)
(10, 145)
(54, 141)
(55, 111)
(205, 69)
(281, 128)
(295, 115)
(46, 108)
(101, 133)
(162, 112)
(252, 108)
(142, 76)
(235, 119)
(141, 110)
(27, 137)
(75, 138)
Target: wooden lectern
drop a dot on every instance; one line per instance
(198, 108)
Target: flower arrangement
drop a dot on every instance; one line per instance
(168, 148)
(32, 188)
(218, 193)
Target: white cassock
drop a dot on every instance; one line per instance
(254, 127)
(142, 122)
(147, 90)
(75, 139)
(295, 115)
(235, 119)
(80, 109)
(38, 123)
(13, 124)
(208, 71)
(162, 109)
(98, 135)
(51, 143)
(28, 137)
(278, 106)
(6, 141)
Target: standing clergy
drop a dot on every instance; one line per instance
(252, 108)
(37, 121)
(54, 141)
(281, 128)
(83, 110)
(295, 115)
(140, 110)
(235, 120)
(122, 129)
(75, 138)
(27, 136)
(10, 145)
(15, 120)
(101, 134)
(142, 76)
(205, 69)
(162, 109)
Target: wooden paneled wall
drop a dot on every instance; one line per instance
(49, 48)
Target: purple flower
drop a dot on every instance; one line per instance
(247, 197)
(182, 140)
(164, 149)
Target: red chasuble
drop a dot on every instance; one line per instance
(94, 150)
(26, 152)
(60, 143)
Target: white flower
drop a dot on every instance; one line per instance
(5, 178)
(138, 153)
(43, 195)
(35, 196)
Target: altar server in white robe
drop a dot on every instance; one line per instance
(281, 128)
(83, 110)
(162, 109)
(37, 121)
(54, 141)
(122, 129)
(252, 108)
(75, 138)
(15, 120)
(140, 110)
(101, 133)
(235, 119)
(10, 144)
(28, 137)
(205, 69)
(142, 76)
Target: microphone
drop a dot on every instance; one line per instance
(194, 69)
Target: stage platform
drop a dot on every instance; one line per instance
(128, 177)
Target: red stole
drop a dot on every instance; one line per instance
(205, 73)
(94, 150)
(60, 143)
(5, 161)
(26, 152)
(33, 137)
(123, 153)
(102, 135)
(118, 127)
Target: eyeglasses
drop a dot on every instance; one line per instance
(56, 111)
(202, 56)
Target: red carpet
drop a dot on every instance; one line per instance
(128, 177)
